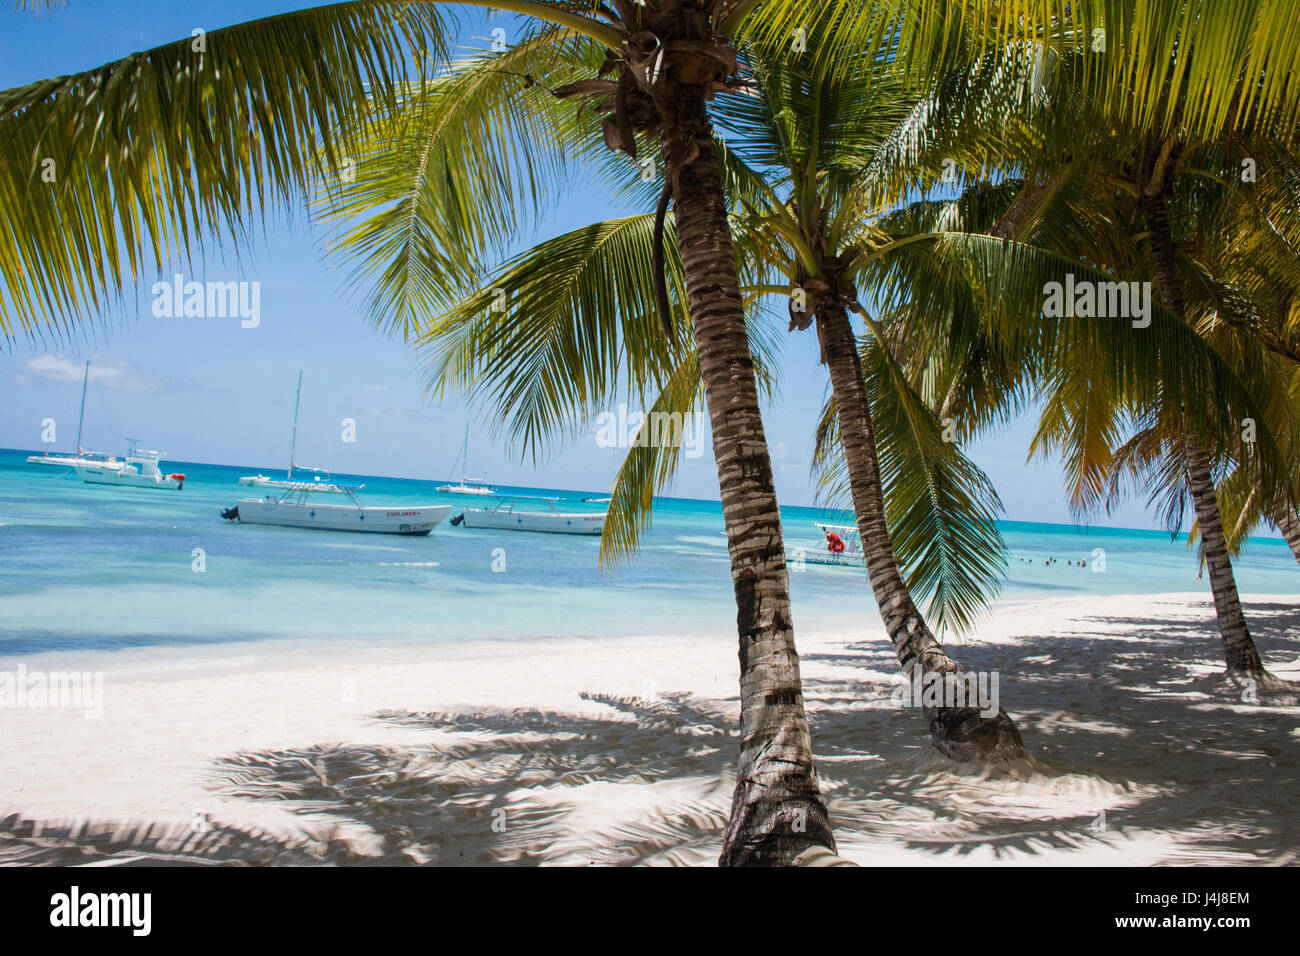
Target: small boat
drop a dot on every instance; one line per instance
(288, 483)
(848, 554)
(81, 456)
(318, 483)
(470, 486)
(291, 509)
(505, 516)
(138, 470)
(466, 485)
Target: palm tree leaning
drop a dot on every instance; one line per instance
(670, 58)
(1149, 169)
(1068, 193)
(822, 135)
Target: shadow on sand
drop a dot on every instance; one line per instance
(1133, 764)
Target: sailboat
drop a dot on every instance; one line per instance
(316, 482)
(467, 486)
(81, 457)
(139, 470)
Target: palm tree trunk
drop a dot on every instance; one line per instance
(961, 733)
(1238, 649)
(777, 810)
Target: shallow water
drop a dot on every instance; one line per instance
(91, 567)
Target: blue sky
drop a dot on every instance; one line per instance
(209, 390)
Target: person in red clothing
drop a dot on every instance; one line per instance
(834, 542)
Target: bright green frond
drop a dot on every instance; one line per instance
(108, 174)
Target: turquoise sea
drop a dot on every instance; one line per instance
(86, 567)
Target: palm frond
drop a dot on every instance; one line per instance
(110, 172)
(448, 177)
(558, 332)
(940, 508)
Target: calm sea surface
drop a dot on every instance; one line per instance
(91, 567)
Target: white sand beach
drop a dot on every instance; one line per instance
(621, 752)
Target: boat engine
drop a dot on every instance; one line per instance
(456, 521)
(231, 514)
(180, 479)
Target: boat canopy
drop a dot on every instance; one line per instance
(844, 529)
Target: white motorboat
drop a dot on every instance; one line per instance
(289, 483)
(841, 545)
(139, 470)
(291, 509)
(81, 456)
(505, 515)
(467, 485)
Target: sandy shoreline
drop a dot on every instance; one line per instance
(620, 751)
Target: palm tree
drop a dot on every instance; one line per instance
(1240, 268)
(552, 348)
(1245, 275)
(821, 137)
(1156, 170)
(1087, 179)
(427, 242)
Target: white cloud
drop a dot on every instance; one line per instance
(114, 374)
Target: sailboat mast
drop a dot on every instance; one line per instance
(464, 455)
(293, 436)
(81, 418)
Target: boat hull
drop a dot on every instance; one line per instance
(535, 521)
(822, 556)
(123, 478)
(412, 521)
